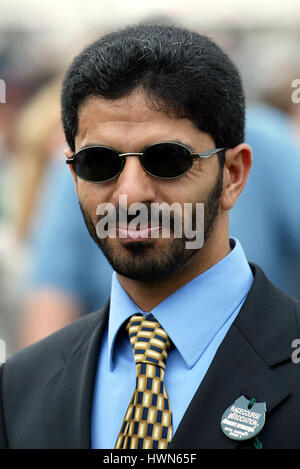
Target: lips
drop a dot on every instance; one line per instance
(146, 232)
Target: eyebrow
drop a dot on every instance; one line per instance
(185, 144)
(92, 144)
(87, 145)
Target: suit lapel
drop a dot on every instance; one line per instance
(241, 366)
(72, 392)
(235, 370)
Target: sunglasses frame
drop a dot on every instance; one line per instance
(204, 154)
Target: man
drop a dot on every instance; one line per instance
(189, 332)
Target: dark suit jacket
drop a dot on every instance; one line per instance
(47, 388)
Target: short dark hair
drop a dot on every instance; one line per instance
(182, 70)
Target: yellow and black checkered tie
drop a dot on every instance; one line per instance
(148, 421)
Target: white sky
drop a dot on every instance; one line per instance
(70, 15)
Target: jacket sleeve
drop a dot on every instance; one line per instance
(3, 436)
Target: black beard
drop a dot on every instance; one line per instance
(145, 262)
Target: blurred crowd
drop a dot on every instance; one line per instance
(51, 272)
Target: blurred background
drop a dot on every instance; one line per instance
(51, 272)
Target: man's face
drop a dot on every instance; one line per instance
(129, 124)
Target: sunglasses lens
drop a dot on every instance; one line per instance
(167, 160)
(97, 164)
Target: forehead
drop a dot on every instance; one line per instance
(132, 107)
(130, 121)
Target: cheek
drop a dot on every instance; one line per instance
(89, 196)
(190, 188)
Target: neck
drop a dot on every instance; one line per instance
(147, 295)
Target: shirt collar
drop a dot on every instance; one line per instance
(193, 314)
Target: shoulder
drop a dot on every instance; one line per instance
(262, 283)
(265, 295)
(51, 352)
(269, 318)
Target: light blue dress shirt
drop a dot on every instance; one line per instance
(196, 317)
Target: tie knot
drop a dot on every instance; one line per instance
(149, 341)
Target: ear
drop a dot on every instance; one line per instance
(236, 170)
(69, 153)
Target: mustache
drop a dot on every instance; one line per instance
(119, 215)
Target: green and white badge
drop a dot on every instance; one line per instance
(244, 419)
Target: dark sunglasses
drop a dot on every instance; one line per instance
(166, 160)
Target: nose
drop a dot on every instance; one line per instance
(135, 183)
